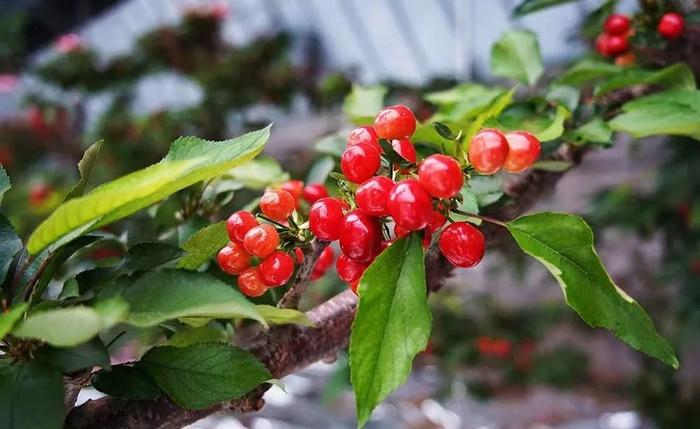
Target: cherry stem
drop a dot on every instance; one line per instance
(482, 217)
(261, 216)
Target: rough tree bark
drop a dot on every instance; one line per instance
(289, 348)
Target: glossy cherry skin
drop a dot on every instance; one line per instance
(276, 269)
(294, 187)
(371, 196)
(405, 149)
(314, 192)
(239, 223)
(410, 205)
(233, 258)
(488, 151)
(348, 269)
(354, 287)
(617, 45)
(462, 244)
(360, 236)
(325, 217)
(277, 204)
(364, 134)
(299, 255)
(671, 25)
(617, 24)
(360, 162)
(395, 122)
(523, 151)
(441, 176)
(437, 220)
(323, 263)
(250, 283)
(261, 240)
(602, 43)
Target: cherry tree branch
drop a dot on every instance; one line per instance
(293, 295)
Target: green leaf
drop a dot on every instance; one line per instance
(516, 55)
(4, 182)
(528, 6)
(9, 318)
(31, 396)
(197, 335)
(587, 70)
(669, 113)
(545, 125)
(86, 355)
(486, 189)
(463, 102)
(259, 173)
(280, 316)
(50, 262)
(319, 171)
(676, 76)
(594, 131)
(149, 255)
(363, 103)
(157, 296)
(68, 327)
(564, 244)
(566, 95)
(190, 160)
(10, 245)
(202, 375)
(392, 323)
(332, 144)
(203, 245)
(495, 108)
(85, 167)
(126, 382)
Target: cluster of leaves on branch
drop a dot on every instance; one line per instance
(64, 313)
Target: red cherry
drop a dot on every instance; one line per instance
(437, 220)
(523, 151)
(602, 44)
(410, 205)
(441, 176)
(233, 258)
(462, 244)
(360, 236)
(277, 205)
(276, 269)
(294, 187)
(400, 232)
(353, 287)
(488, 151)
(371, 196)
(617, 45)
(299, 254)
(360, 162)
(364, 134)
(617, 24)
(261, 240)
(325, 217)
(405, 149)
(314, 192)
(250, 283)
(323, 263)
(239, 223)
(395, 122)
(671, 25)
(348, 269)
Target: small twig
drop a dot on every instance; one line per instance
(488, 219)
(293, 295)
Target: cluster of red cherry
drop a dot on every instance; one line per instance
(380, 192)
(613, 42)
